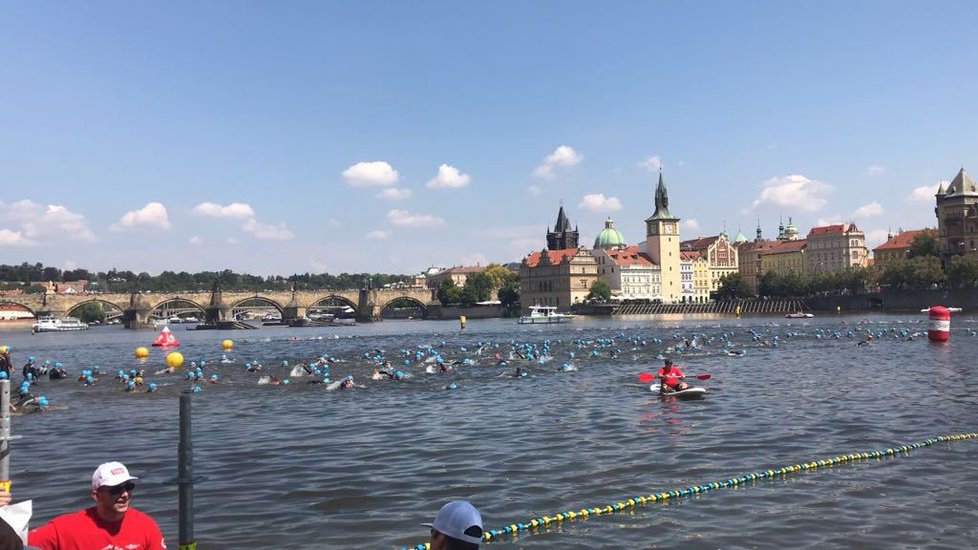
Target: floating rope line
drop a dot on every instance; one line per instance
(630, 503)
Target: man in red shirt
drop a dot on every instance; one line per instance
(109, 525)
(672, 378)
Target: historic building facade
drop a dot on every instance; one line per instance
(629, 272)
(558, 278)
(834, 248)
(783, 257)
(720, 254)
(957, 216)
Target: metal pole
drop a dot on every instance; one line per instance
(5, 435)
(185, 480)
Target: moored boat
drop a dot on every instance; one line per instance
(50, 323)
(544, 315)
(799, 315)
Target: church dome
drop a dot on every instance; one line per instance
(609, 237)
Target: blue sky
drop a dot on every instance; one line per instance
(276, 138)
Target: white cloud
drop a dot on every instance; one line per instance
(835, 219)
(690, 225)
(13, 238)
(875, 237)
(33, 224)
(367, 174)
(448, 178)
(407, 219)
(875, 170)
(394, 194)
(334, 223)
(534, 190)
(867, 210)
(234, 211)
(268, 232)
(795, 191)
(232, 240)
(562, 156)
(925, 193)
(652, 164)
(152, 215)
(597, 202)
(379, 235)
(196, 240)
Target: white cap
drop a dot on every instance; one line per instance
(110, 474)
(460, 520)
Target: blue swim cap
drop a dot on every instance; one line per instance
(56, 364)
(203, 363)
(3, 375)
(213, 377)
(42, 402)
(89, 379)
(152, 386)
(31, 358)
(398, 374)
(286, 381)
(196, 389)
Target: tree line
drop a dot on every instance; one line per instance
(920, 269)
(33, 277)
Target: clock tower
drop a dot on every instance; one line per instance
(662, 244)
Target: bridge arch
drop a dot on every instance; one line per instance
(253, 303)
(115, 311)
(8, 303)
(336, 304)
(404, 302)
(175, 303)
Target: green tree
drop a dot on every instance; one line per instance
(449, 293)
(924, 244)
(733, 286)
(600, 291)
(963, 271)
(499, 275)
(477, 288)
(509, 296)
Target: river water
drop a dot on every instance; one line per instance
(297, 466)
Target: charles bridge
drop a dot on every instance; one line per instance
(219, 306)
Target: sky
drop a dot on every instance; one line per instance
(386, 136)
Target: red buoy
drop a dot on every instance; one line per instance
(940, 324)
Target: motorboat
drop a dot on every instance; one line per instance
(544, 315)
(50, 323)
(799, 315)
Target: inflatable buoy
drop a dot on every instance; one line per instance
(174, 359)
(142, 352)
(940, 324)
(227, 344)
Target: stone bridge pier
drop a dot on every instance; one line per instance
(137, 314)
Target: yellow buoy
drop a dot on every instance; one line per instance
(227, 344)
(3, 349)
(461, 321)
(174, 359)
(142, 353)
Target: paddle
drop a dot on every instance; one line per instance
(646, 377)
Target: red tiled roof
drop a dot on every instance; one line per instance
(690, 254)
(466, 269)
(629, 256)
(782, 247)
(903, 240)
(701, 243)
(555, 256)
(837, 228)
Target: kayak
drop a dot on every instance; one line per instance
(688, 393)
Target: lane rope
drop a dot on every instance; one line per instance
(630, 503)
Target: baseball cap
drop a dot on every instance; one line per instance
(110, 474)
(460, 520)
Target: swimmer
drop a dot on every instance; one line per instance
(867, 341)
(151, 388)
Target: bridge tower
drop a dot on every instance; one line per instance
(216, 310)
(137, 314)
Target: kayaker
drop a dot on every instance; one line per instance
(458, 526)
(671, 377)
(111, 523)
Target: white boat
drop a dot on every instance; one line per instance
(799, 315)
(57, 324)
(544, 315)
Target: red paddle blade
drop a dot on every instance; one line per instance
(645, 377)
(704, 376)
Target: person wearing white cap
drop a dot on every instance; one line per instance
(458, 526)
(111, 524)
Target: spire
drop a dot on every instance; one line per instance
(563, 224)
(759, 237)
(662, 202)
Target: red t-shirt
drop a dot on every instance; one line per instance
(84, 530)
(672, 378)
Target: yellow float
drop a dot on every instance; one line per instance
(227, 344)
(174, 359)
(141, 353)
